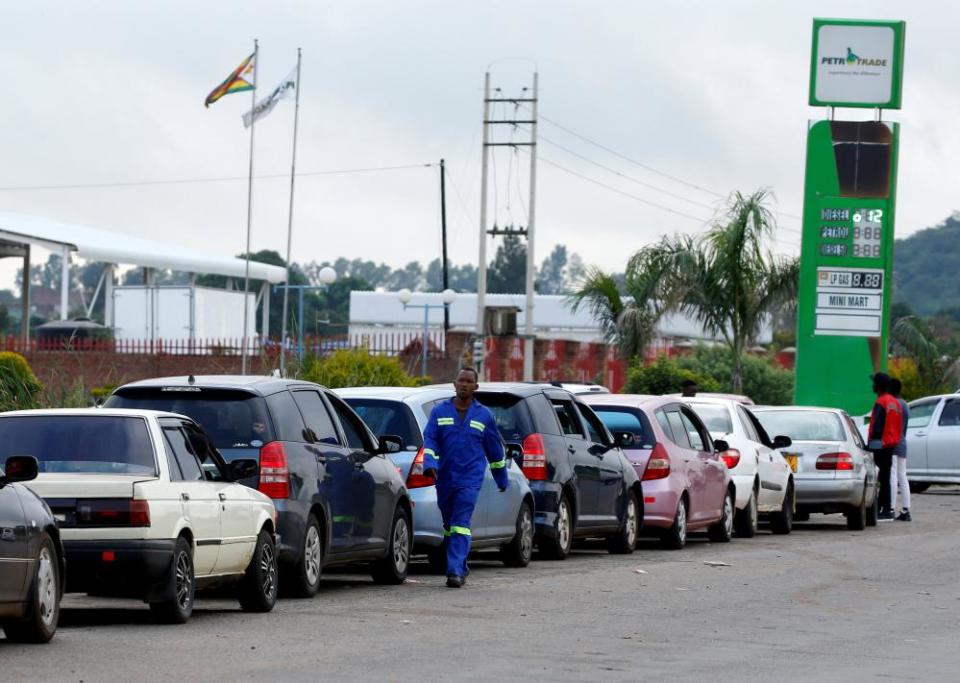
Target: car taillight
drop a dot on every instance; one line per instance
(534, 458)
(835, 461)
(417, 479)
(658, 466)
(274, 475)
(113, 512)
(731, 457)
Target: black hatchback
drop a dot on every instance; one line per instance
(583, 484)
(339, 499)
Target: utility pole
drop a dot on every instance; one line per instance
(528, 347)
(443, 229)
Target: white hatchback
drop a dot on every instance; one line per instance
(762, 476)
(147, 508)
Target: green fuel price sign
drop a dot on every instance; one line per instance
(846, 261)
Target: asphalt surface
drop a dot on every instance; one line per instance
(820, 604)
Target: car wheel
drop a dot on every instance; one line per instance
(518, 552)
(675, 537)
(857, 514)
(722, 531)
(625, 540)
(392, 569)
(745, 521)
(177, 609)
(781, 522)
(558, 547)
(39, 622)
(873, 511)
(302, 580)
(918, 486)
(258, 592)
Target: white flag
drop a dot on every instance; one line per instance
(286, 89)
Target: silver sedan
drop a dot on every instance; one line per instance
(833, 470)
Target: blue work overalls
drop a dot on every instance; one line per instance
(460, 451)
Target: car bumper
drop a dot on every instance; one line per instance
(546, 501)
(744, 484)
(427, 520)
(824, 492)
(659, 503)
(291, 526)
(124, 568)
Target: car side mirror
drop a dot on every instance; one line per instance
(19, 468)
(782, 441)
(243, 469)
(390, 443)
(719, 445)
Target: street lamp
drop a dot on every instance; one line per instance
(326, 277)
(448, 296)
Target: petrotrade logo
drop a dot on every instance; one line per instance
(853, 59)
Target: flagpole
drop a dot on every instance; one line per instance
(293, 174)
(246, 269)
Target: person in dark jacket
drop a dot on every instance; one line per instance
(883, 435)
(460, 441)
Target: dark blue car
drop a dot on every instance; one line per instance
(339, 499)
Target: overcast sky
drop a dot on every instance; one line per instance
(712, 93)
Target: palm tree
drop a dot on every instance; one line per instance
(727, 279)
(911, 338)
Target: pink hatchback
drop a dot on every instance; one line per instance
(686, 486)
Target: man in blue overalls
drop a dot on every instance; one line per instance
(461, 438)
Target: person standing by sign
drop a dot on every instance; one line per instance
(883, 435)
(898, 470)
(461, 439)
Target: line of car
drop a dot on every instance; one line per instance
(187, 483)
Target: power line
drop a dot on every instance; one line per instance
(185, 181)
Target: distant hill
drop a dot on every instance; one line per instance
(926, 268)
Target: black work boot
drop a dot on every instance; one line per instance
(454, 581)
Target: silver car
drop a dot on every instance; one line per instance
(501, 520)
(833, 470)
(933, 441)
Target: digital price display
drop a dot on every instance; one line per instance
(851, 232)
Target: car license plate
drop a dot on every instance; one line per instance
(791, 459)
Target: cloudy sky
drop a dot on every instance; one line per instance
(712, 94)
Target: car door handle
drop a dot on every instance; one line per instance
(919, 433)
(223, 496)
(185, 496)
(571, 448)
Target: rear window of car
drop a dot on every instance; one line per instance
(388, 417)
(94, 444)
(232, 419)
(802, 425)
(715, 417)
(630, 420)
(511, 413)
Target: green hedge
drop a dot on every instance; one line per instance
(356, 368)
(665, 376)
(19, 387)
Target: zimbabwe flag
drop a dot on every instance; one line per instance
(241, 79)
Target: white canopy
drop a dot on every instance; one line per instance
(111, 247)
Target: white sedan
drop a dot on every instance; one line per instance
(147, 508)
(762, 476)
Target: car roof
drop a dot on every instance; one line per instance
(394, 393)
(517, 388)
(933, 396)
(94, 412)
(632, 400)
(738, 398)
(257, 384)
(761, 409)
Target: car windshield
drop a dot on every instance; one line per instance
(232, 419)
(715, 417)
(388, 417)
(802, 425)
(83, 444)
(630, 420)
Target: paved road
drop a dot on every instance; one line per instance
(821, 604)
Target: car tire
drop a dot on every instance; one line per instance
(302, 580)
(39, 622)
(675, 538)
(781, 521)
(745, 521)
(558, 547)
(393, 568)
(919, 486)
(722, 530)
(857, 514)
(258, 591)
(625, 540)
(519, 551)
(183, 585)
(873, 512)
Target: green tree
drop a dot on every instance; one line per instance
(356, 368)
(665, 376)
(507, 273)
(19, 387)
(762, 381)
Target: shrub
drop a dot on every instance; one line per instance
(665, 376)
(356, 368)
(764, 383)
(19, 387)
